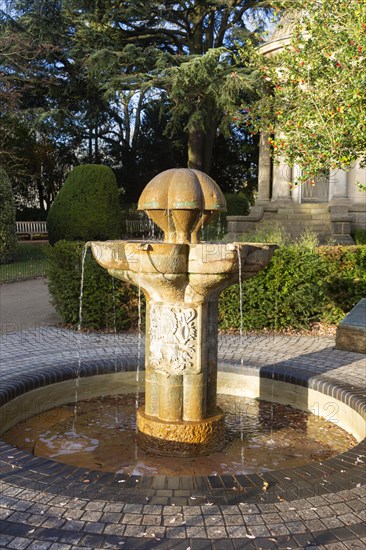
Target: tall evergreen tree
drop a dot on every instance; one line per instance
(186, 49)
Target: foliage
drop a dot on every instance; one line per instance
(237, 204)
(301, 285)
(87, 206)
(345, 280)
(107, 302)
(359, 236)
(267, 233)
(30, 214)
(184, 50)
(8, 237)
(78, 80)
(33, 76)
(314, 91)
(29, 261)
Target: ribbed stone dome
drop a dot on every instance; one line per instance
(180, 201)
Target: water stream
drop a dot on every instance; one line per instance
(240, 300)
(80, 322)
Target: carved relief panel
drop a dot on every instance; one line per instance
(173, 339)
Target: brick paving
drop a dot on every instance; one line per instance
(49, 505)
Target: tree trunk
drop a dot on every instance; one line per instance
(40, 193)
(195, 150)
(200, 146)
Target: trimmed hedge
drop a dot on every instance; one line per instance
(107, 303)
(8, 238)
(86, 207)
(301, 285)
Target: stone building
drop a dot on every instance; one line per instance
(332, 208)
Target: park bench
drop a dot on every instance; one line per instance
(31, 228)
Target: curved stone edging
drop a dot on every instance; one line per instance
(24, 470)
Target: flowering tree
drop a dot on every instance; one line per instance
(313, 92)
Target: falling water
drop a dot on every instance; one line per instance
(114, 328)
(151, 229)
(240, 300)
(139, 343)
(83, 257)
(114, 306)
(78, 364)
(219, 227)
(241, 339)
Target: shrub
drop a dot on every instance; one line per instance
(267, 233)
(345, 279)
(107, 302)
(285, 294)
(86, 207)
(8, 239)
(302, 284)
(359, 236)
(237, 204)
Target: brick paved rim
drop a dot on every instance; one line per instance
(338, 473)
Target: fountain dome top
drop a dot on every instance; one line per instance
(180, 201)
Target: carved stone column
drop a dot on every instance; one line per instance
(264, 169)
(282, 177)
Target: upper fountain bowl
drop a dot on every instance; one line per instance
(180, 201)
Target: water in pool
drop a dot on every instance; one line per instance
(260, 436)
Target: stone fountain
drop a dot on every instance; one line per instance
(181, 278)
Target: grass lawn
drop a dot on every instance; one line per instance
(30, 261)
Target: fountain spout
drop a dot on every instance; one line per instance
(181, 279)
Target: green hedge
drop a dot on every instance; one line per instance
(107, 302)
(8, 239)
(301, 285)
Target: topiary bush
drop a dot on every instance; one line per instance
(86, 207)
(107, 303)
(237, 204)
(8, 238)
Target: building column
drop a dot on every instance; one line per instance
(264, 169)
(296, 190)
(338, 186)
(282, 177)
(356, 174)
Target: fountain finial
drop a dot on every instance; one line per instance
(180, 201)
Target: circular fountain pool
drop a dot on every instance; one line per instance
(100, 434)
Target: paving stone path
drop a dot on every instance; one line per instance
(46, 505)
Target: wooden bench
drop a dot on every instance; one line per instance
(31, 228)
